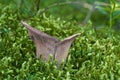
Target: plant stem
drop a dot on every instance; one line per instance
(112, 8)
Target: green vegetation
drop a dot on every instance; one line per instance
(95, 54)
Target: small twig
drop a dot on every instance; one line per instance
(90, 7)
(83, 4)
(96, 3)
(89, 14)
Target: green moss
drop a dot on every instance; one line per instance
(93, 56)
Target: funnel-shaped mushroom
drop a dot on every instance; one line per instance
(46, 44)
